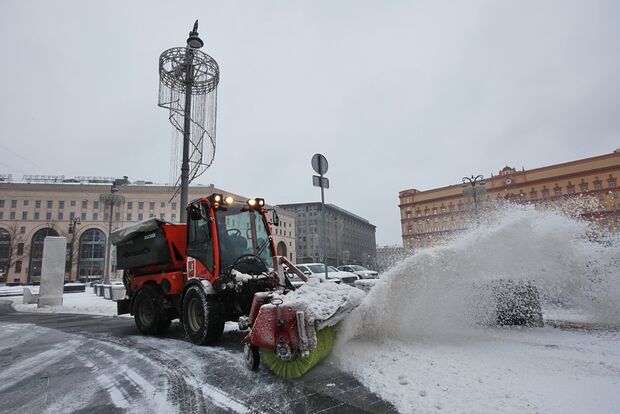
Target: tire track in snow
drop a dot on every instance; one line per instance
(184, 389)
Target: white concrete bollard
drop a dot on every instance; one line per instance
(52, 271)
(30, 297)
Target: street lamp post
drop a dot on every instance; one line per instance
(110, 200)
(75, 221)
(473, 187)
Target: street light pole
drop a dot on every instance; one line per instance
(73, 231)
(193, 43)
(110, 200)
(473, 181)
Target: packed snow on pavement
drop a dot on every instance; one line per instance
(82, 302)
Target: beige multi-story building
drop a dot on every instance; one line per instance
(76, 208)
(427, 217)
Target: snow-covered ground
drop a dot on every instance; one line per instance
(82, 302)
(516, 370)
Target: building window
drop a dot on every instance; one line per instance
(151, 205)
(545, 194)
(570, 188)
(22, 230)
(162, 204)
(24, 215)
(72, 203)
(1, 203)
(5, 251)
(96, 205)
(141, 205)
(12, 215)
(71, 215)
(173, 217)
(92, 255)
(18, 266)
(598, 184)
(36, 215)
(48, 215)
(162, 216)
(611, 182)
(140, 216)
(36, 253)
(558, 191)
(26, 202)
(13, 203)
(61, 204)
(20, 249)
(1, 215)
(583, 187)
(128, 216)
(174, 205)
(96, 216)
(37, 204)
(85, 204)
(534, 195)
(129, 205)
(61, 215)
(117, 216)
(50, 203)
(83, 216)
(151, 215)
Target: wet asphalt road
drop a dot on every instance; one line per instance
(68, 363)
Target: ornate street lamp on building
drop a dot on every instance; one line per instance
(110, 200)
(188, 80)
(474, 189)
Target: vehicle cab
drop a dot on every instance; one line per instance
(227, 236)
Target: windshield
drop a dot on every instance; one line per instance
(240, 232)
(319, 268)
(358, 268)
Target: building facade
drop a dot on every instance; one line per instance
(389, 256)
(427, 217)
(350, 239)
(35, 208)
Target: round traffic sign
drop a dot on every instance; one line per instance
(319, 163)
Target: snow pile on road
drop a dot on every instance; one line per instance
(324, 302)
(417, 341)
(83, 302)
(16, 290)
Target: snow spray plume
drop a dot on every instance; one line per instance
(439, 291)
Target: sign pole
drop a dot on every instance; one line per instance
(320, 165)
(323, 226)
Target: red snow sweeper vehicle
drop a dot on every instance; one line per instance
(221, 266)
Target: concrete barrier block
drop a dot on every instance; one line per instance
(52, 271)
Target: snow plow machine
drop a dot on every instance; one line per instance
(221, 266)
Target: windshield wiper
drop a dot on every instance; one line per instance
(262, 246)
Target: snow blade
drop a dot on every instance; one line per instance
(298, 366)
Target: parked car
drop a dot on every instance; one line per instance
(333, 274)
(361, 271)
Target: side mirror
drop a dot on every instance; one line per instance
(307, 273)
(275, 219)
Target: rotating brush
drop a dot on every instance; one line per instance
(299, 365)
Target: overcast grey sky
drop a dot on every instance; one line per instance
(396, 94)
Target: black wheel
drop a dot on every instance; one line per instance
(252, 356)
(203, 317)
(148, 311)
